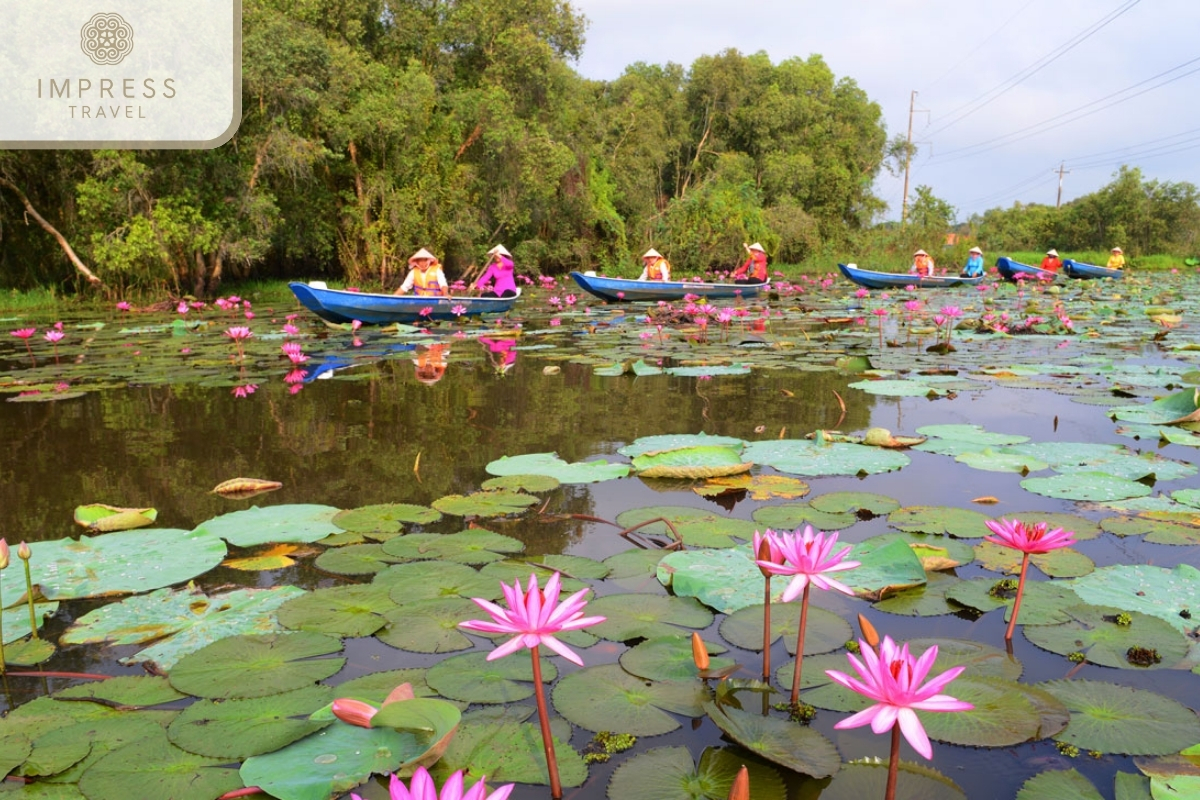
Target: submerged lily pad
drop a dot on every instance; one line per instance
(1119, 719)
(550, 464)
(607, 698)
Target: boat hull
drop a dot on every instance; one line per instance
(616, 290)
(1082, 271)
(340, 306)
(896, 280)
(1010, 269)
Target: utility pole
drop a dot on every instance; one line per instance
(907, 158)
(1061, 172)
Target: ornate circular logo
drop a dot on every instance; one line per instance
(106, 39)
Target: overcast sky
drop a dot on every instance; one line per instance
(958, 55)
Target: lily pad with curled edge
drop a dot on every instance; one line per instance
(694, 463)
(126, 690)
(778, 740)
(1043, 603)
(1156, 591)
(1122, 720)
(535, 484)
(179, 622)
(961, 523)
(938, 552)
(794, 516)
(550, 464)
(868, 778)
(1189, 497)
(275, 557)
(384, 518)
(968, 434)
(338, 610)
(256, 666)
(485, 504)
(355, 559)
(607, 698)
(475, 546)
(861, 504)
(470, 677)
(100, 518)
(333, 761)
(123, 561)
(670, 658)
(1169, 410)
(1066, 562)
(158, 769)
(1059, 784)
(375, 687)
(497, 741)
(698, 527)
(1174, 777)
(1096, 632)
(886, 564)
(1001, 460)
(646, 616)
(668, 773)
(274, 524)
(1086, 486)
(15, 748)
(432, 580)
(824, 633)
(726, 579)
(922, 601)
(676, 441)
(430, 626)
(234, 730)
(759, 487)
(897, 388)
(802, 457)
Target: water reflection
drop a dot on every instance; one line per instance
(502, 353)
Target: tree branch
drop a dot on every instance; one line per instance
(50, 229)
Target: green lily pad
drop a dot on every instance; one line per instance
(256, 666)
(897, 388)
(234, 730)
(1155, 531)
(726, 579)
(803, 457)
(1132, 466)
(1155, 591)
(1044, 602)
(1086, 486)
(1119, 719)
(960, 523)
(497, 742)
(100, 518)
(519, 571)
(1070, 456)
(1001, 461)
(857, 503)
(778, 740)
(886, 565)
(607, 698)
(699, 528)
(668, 773)
(1095, 632)
(429, 626)
(676, 441)
(1066, 562)
(385, 518)
(17, 624)
(857, 780)
(180, 621)
(669, 658)
(355, 559)
(476, 546)
(633, 563)
(15, 747)
(338, 610)
(126, 690)
(824, 632)
(971, 434)
(158, 769)
(1059, 784)
(485, 504)
(692, 463)
(794, 516)
(274, 524)
(570, 566)
(550, 464)
(1003, 715)
(922, 601)
(124, 561)
(535, 484)
(433, 580)
(1164, 411)
(473, 679)
(645, 616)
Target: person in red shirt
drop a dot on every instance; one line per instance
(1051, 263)
(754, 268)
(922, 265)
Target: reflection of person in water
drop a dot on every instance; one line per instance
(501, 352)
(431, 363)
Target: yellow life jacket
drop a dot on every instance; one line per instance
(425, 281)
(655, 271)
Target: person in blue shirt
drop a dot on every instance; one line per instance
(974, 266)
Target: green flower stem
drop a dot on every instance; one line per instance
(800, 645)
(544, 721)
(3, 665)
(893, 764)
(766, 671)
(1012, 623)
(33, 626)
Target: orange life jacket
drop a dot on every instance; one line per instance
(924, 265)
(654, 270)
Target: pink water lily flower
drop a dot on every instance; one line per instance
(123, 305)
(422, 787)
(808, 556)
(1032, 538)
(534, 617)
(893, 679)
(24, 333)
(239, 334)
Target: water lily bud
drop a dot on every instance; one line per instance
(740, 790)
(699, 652)
(23, 551)
(3, 553)
(870, 636)
(354, 712)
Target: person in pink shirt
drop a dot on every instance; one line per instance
(500, 353)
(499, 275)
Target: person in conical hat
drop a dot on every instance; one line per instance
(430, 363)
(655, 267)
(1117, 259)
(1051, 263)
(498, 280)
(974, 266)
(754, 268)
(425, 276)
(922, 265)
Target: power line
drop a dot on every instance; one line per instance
(1038, 178)
(1140, 156)
(976, 47)
(1121, 150)
(1019, 77)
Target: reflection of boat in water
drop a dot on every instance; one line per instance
(338, 305)
(1078, 269)
(328, 365)
(625, 289)
(896, 280)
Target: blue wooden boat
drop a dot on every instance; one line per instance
(1078, 269)
(626, 290)
(1010, 269)
(898, 280)
(338, 305)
